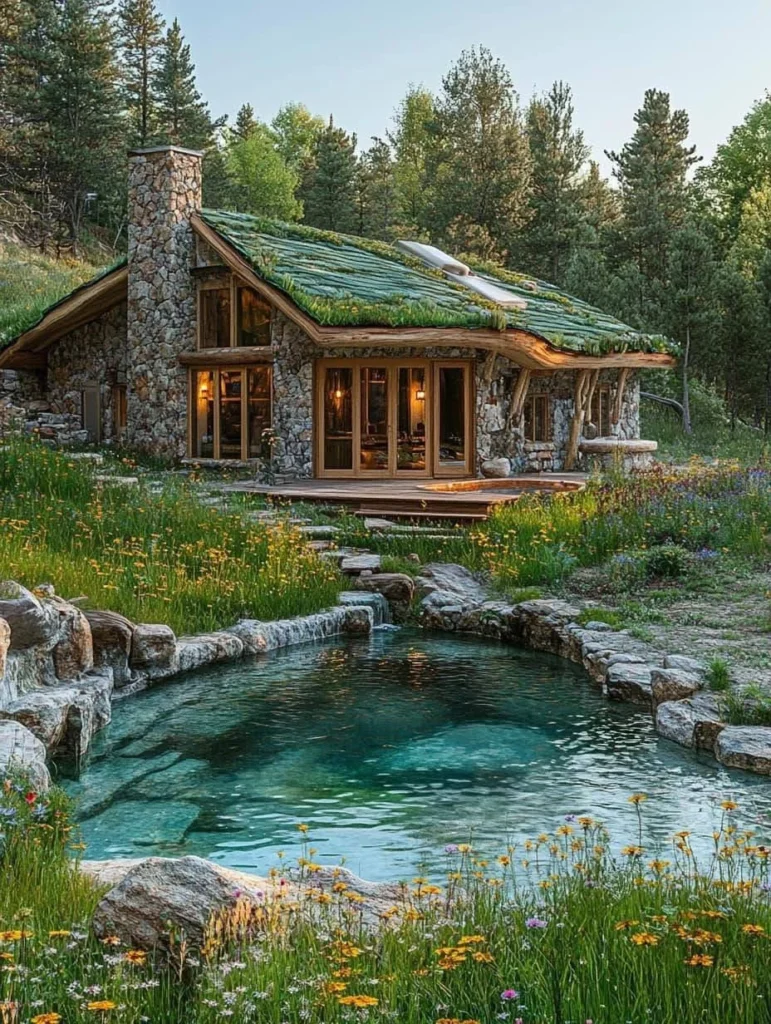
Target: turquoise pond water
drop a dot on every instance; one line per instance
(389, 748)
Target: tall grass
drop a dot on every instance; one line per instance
(541, 539)
(555, 931)
(159, 558)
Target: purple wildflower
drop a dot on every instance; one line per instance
(509, 994)
(451, 848)
(535, 922)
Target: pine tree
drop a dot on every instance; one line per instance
(328, 190)
(651, 170)
(742, 359)
(479, 162)
(691, 314)
(140, 29)
(376, 191)
(183, 117)
(558, 153)
(246, 123)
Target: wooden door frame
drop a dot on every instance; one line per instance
(467, 469)
(431, 420)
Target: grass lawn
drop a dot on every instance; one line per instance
(154, 557)
(554, 931)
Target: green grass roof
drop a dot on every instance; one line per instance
(344, 280)
(32, 285)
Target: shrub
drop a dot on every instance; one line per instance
(607, 615)
(666, 561)
(626, 571)
(717, 675)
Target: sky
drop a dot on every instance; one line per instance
(355, 58)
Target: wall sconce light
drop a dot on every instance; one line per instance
(420, 395)
(338, 393)
(204, 391)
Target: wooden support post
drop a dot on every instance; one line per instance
(618, 401)
(518, 396)
(488, 370)
(577, 424)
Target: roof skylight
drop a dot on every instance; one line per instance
(461, 274)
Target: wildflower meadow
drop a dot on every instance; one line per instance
(556, 930)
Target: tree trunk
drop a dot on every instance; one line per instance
(687, 429)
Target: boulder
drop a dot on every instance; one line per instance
(154, 651)
(32, 622)
(396, 587)
(152, 895)
(74, 652)
(692, 722)
(22, 752)
(745, 746)
(111, 639)
(496, 468)
(669, 684)
(629, 681)
(207, 649)
(685, 664)
(354, 565)
(65, 717)
(440, 585)
(381, 611)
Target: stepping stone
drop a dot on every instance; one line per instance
(93, 457)
(319, 545)
(117, 481)
(354, 565)
(378, 524)
(319, 531)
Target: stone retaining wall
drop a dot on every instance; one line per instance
(670, 685)
(61, 669)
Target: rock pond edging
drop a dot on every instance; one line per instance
(453, 599)
(61, 668)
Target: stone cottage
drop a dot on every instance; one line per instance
(365, 359)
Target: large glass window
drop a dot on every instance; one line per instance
(230, 408)
(338, 418)
(258, 411)
(214, 326)
(253, 319)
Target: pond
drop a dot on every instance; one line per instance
(389, 748)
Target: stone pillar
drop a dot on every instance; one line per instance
(164, 191)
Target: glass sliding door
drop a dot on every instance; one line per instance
(453, 420)
(411, 425)
(403, 418)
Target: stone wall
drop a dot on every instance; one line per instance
(164, 191)
(92, 354)
(295, 355)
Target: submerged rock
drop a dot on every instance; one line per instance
(163, 823)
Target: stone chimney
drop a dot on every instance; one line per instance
(164, 190)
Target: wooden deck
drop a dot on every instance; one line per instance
(424, 499)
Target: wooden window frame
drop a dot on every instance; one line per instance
(602, 396)
(531, 400)
(192, 405)
(232, 283)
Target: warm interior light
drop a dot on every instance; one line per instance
(420, 394)
(204, 390)
(338, 393)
